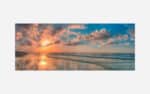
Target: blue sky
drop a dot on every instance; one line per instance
(114, 29)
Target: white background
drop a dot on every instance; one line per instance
(74, 82)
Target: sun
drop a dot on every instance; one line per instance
(45, 43)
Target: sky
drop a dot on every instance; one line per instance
(96, 38)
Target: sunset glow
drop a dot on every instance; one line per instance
(45, 43)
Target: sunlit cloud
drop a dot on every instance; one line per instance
(76, 26)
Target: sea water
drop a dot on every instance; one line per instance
(76, 61)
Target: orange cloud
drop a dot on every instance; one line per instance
(76, 26)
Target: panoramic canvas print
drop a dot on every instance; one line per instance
(68, 46)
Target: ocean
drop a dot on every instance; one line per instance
(76, 61)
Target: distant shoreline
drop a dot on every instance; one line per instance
(22, 53)
(19, 53)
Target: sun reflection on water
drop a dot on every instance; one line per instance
(48, 62)
(45, 63)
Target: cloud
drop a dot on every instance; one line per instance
(109, 41)
(132, 35)
(76, 26)
(93, 37)
(19, 35)
(73, 42)
(122, 37)
(99, 35)
(34, 34)
(119, 40)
